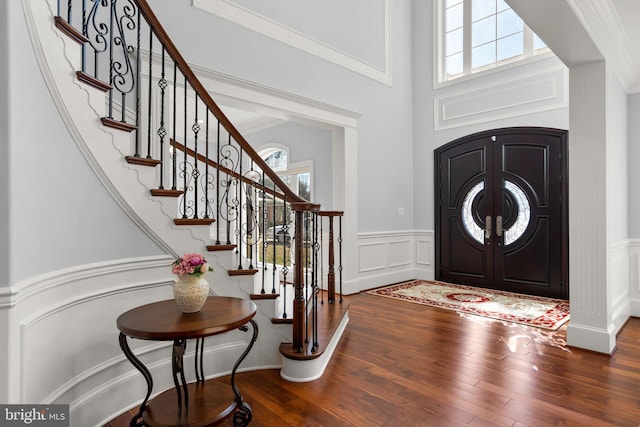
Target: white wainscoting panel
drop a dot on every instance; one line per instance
(620, 303)
(373, 256)
(502, 98)
(400, 253)
(634, 276)
(391, 257)
(425, 261)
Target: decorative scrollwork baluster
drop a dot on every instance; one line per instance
(123, 75)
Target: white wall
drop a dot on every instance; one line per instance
(4, 136)
(60, 214)
(633, 160)
(617, 154)
(617, 202)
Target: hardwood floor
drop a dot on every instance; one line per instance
(404, 364)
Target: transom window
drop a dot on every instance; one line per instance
(476, 35)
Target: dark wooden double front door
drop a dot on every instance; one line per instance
(501, 211)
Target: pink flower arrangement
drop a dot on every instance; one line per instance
(191, 264)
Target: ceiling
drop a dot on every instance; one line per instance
(583, 31)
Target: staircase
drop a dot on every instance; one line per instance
(181, 170)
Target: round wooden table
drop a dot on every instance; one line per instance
(202, 403)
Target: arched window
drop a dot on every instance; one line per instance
(296, 175)
(276, 229)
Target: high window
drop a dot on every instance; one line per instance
(476, 35)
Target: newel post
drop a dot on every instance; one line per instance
(299, 302)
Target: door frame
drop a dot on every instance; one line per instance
(564, 203)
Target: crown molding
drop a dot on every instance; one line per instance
(269, 28)
(602, 22)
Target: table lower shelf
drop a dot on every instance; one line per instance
(210, 403)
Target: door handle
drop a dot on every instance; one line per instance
(487, 230)
(499, 229)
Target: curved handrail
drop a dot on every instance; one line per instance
(197, 86)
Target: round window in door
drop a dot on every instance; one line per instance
(522, 210)
(517, 216)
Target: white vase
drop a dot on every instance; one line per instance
(190, 293)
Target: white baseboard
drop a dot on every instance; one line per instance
(311, 370)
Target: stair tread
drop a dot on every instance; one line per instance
(243, 272)
(221, 247)
(267, 295)
(116, 124)
(163, 192)
(69, 30)
(193, 221)
(142, 161)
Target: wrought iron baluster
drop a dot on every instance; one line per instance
(218, 202)
(308, 271)
(285, 269)
(316, 288)
(162, 132)
(83, 48)
(184, 154)
(97, 34)
(124, 79)
(206, 166)
(150, 103)
(261, 231)
(229, 208)
(139, 92)
(239, 222)
(252, 181)
(321, 262)
(195, 128)
(274, 270)
(112, 13)
(174, 154)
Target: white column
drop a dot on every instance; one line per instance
(345, 198)
(590, 325)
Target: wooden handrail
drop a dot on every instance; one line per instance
(180, 147)
(182, 65)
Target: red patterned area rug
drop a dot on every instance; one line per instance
(545, 313)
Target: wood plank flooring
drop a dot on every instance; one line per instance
(404, 364)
